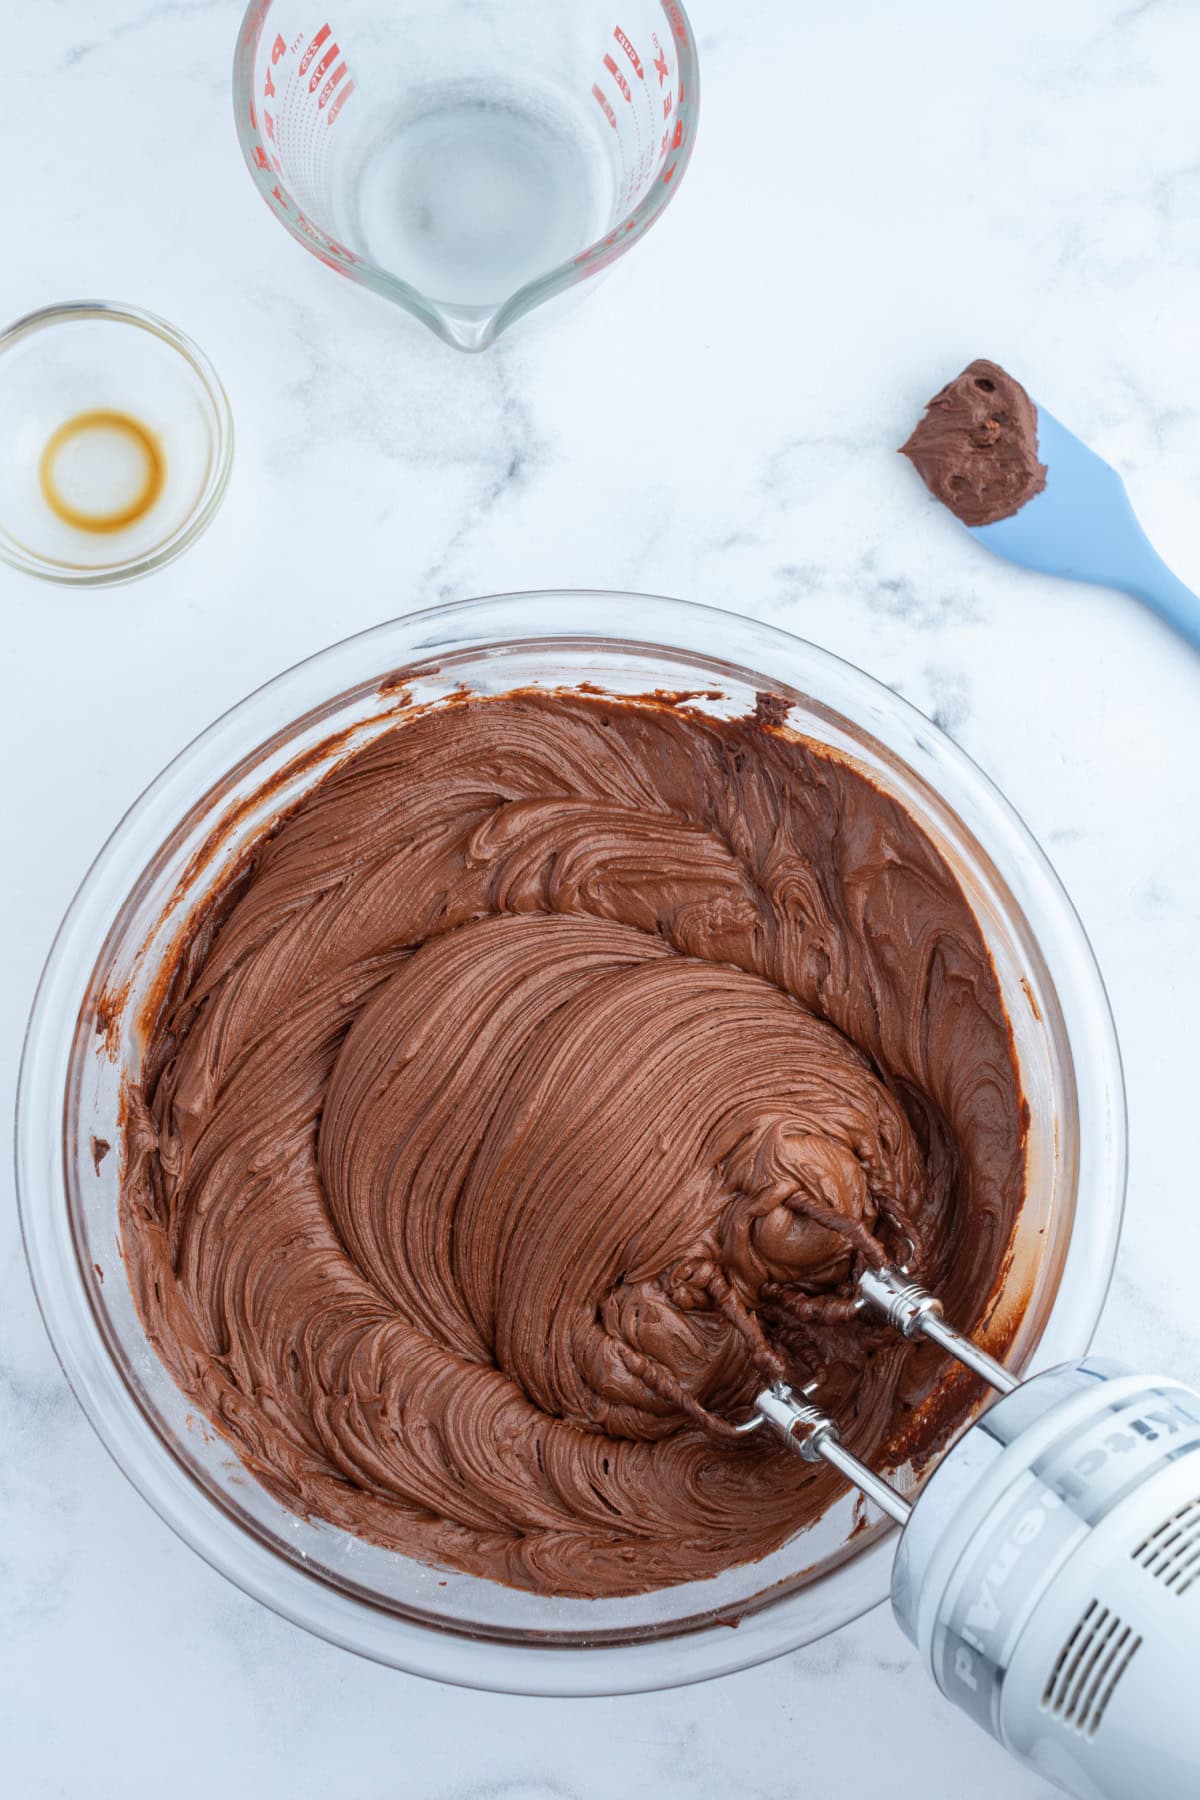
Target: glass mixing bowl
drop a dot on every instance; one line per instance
(87, 1035)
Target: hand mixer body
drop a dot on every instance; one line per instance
(1050, 1577)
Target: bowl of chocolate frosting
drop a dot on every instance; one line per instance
(493, 1050)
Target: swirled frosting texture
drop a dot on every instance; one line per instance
(533, 1096)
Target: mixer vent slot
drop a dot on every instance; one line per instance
(1089, 1669)
(1172, 1553)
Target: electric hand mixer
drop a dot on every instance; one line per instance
(1049, 1571)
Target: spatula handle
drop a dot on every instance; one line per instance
(1166, 595)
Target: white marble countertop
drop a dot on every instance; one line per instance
(879, 193)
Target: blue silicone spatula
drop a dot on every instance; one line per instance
(1082, 526)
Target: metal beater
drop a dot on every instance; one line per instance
(1049, 1570)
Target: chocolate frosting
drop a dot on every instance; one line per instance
(976, 449)
(532, 1096)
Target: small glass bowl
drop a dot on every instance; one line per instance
(148, 442)
(177, 844)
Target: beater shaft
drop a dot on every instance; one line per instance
(813, 1435)
(915, 1312)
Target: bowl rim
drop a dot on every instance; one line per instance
(150, 1463)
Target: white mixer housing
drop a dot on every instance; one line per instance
(1050, 1577)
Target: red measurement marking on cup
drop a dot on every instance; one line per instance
(598, 256)
(672, 140)
(340, 100)
(313, 84)
(323, 67)
(306, 59)
(327, 90)
(606, 109)
(660, 63)
(617, 76)
(630, 52)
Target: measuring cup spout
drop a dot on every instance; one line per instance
(468, 327)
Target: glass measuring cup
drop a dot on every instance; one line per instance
(466, 161)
